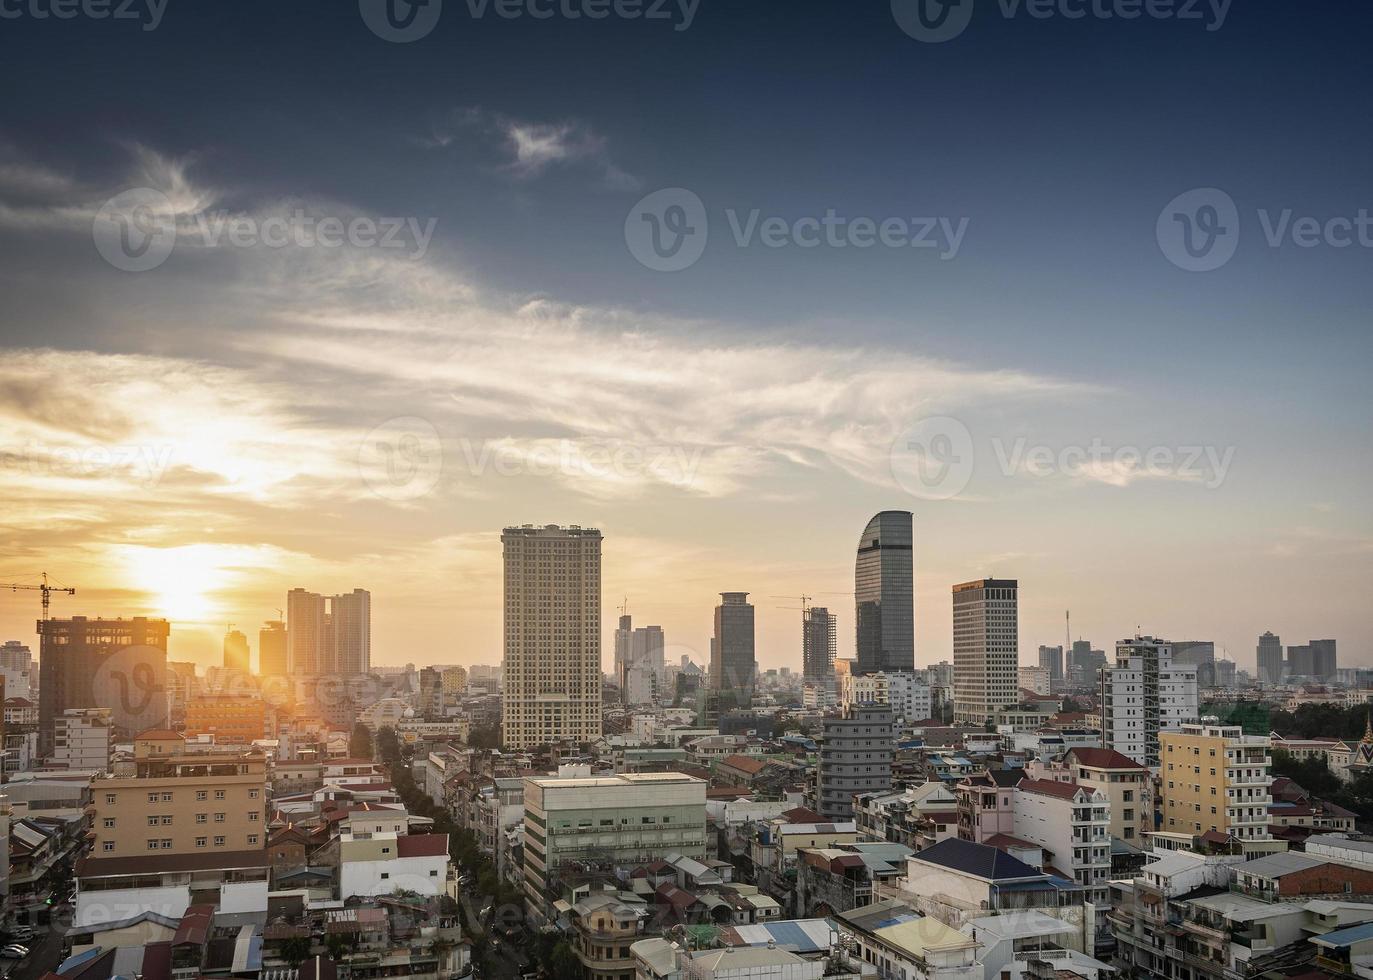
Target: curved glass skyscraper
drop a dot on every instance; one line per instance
(884, 594)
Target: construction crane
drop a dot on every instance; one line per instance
(44, 588)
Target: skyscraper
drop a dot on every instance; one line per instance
(1052, 658)
(1269, 654)
(305, 613)
(884, 594)
(1145, 693)
(1201, 654)
(350, 615)
(732, 666)
(1323, 663)
(272, 652)
(819, 645)
(236, 651)
(638, 660)
(120, 664)
(329, 635)
(986, 649)
(552, 664)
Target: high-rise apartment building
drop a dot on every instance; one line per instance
(350, 616)
(1215, 778)
(273, 651)
(1300, 663)
(1084, 663)
(1270, 659)
(1144, 694)
(638, 660)
(236, 651)
(1323, 661)
(552, 667)
(856, 752)
(116, 663)
(884, 594)
(329, 635)
(1052, 658)
(819, 645)
(733, 669)
(986, 649)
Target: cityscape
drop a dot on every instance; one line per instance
(685, 490)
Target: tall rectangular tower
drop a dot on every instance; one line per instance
(733, 669)
(351, 617)
(552, 635)
(819, 645)
(305, 632)
(986, 649)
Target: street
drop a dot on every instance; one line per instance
(47, 953)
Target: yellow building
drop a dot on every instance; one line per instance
(231, 720)
(181, 804)
(1215, 778)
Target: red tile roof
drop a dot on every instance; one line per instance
(1003, 841)
(745, 764)
(422, 845)
(1104, 759)
(1049, 787)
(802, 815)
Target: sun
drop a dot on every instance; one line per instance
(183, 583)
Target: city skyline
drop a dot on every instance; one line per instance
(196, 439)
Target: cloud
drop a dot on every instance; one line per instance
(529, 148)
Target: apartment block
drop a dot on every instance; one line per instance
(82, 738)
(904, 691)
(986, 649)
(856, 752)
(607, 823)
(552, 628)
(1144, 694)
(1216, 779)
(230, 720)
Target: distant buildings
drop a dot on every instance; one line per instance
(884, 594)
(552, 666)
(733, 669)
(639, 667)
(1052, 659)
(1037, 678)
(856, 754)
(1144, 694)
(986, 645)
(1314, 660)
(328, 635)
(117, 663)
(236, 651)
(1215, 779)
(819, 645)
(1270, 659)
(1084, 663)
(906, 692)
(273, 653)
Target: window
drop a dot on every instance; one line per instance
(384, 876)
(201, 795)
(201, 841)
(166, 797)
(202, 818)
(252, 839)
(166, 820)
(109, 823)
(152, 798)
(219, 794)
(252, 794)
(108, 845)
(109, 799)
(252, 816)
(166, 843)
(152, 821)
(219, 818)
(219, 842)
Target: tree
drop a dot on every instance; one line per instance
(295, 950)
(360, 743)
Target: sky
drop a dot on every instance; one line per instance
(323, 295)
